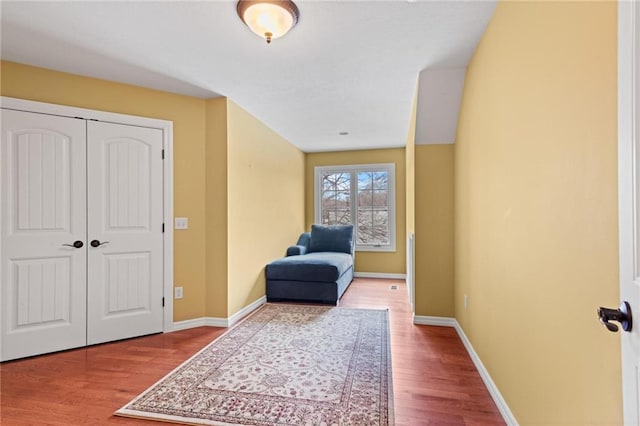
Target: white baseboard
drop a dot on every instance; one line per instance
(506, 413)
(246, 311)
(199, 322)
(380, 275)
(216, 321)
(439, 321)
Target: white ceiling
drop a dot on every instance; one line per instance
(347, 66)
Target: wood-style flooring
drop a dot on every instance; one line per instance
(435, 381)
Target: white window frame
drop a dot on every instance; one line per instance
(390, 168)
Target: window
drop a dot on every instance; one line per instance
(363, 195)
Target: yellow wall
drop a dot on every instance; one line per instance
(188, 116)
(434, 230)
(216, 208)
(381, 262)
(536, 210)
(266, 208)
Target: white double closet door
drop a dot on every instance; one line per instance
(81, 242)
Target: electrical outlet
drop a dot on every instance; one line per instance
(466, 301)
(177, 292)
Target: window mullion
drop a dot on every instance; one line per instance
(353, 188)
(373, 220)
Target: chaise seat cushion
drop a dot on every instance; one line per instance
(320, 266)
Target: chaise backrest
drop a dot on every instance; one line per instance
(335, 238)
(324, 238)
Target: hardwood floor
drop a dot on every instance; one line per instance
(435, 382)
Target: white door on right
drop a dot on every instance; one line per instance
(124, 237)
(629, 199)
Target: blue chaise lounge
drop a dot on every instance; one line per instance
(319, 268)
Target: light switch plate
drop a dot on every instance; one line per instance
(182, 223)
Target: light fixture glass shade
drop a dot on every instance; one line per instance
(268, 19)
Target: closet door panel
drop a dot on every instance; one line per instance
(125, 286)
(43, 213)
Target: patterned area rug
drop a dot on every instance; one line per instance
(283, 365)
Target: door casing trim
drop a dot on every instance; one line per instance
(628, 102)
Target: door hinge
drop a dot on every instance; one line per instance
(163, 154)
(163, 228)
(163, 302)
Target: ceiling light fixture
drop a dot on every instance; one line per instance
(270, 19)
